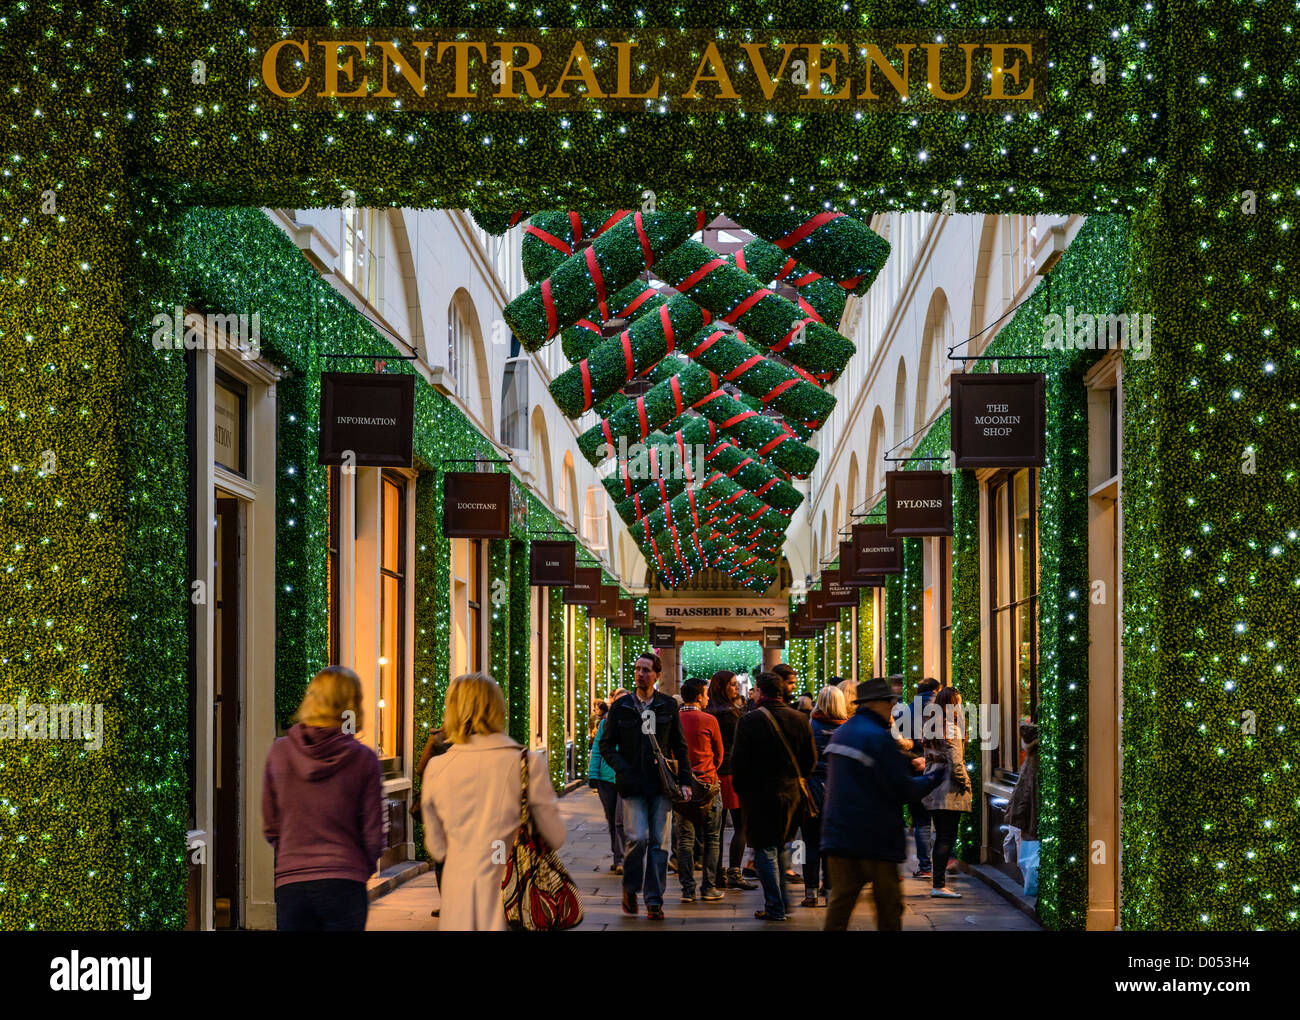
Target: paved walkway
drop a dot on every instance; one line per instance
(586, 855)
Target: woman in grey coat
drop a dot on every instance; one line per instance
(945, 744)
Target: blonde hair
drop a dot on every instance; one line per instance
(830, 702)
(474, 704)
(332, 693)
(849, 689)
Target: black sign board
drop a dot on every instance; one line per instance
(552, 564)
(606, 608)
(585, 590)
(874, 552)
(847, 564)
(662, 636)
(836, 595)
(773, 637)
(917, 503)
(366, 420)
(625, 618)
(999, 420)
(866, 581)
(638, 622)
(475, 505)
(818, 612)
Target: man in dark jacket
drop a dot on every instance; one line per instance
(773, 751)
(626, 747)
(867, 784)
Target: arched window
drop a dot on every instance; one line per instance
(362, 253)
(930, 379)
(900, 406)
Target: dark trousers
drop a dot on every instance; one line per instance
(737, 852)
(613, 817)
(814, 864)
(848, 876)
(921, 833)
(945, 838)
(327, 904)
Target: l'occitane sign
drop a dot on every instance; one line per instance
(470, 69)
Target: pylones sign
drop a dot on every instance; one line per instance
(476, 504)
(366, 420)
(999, 420)
(918, 503)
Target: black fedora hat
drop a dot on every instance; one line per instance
(875, 689)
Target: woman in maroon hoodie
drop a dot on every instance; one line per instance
(322, 810)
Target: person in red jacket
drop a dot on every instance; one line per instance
(704, 749)
(322, 810)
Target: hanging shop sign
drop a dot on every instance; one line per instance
(637, 627)
(366, 420)
(585, 590)
(867, 581)
(848, 565)
(552, 564)
(836, 595)
(818, 611)
(773, 637)
(999, 420)
(606, 608)
(918, 503)
(662, 636)
(874, 552)
(625, 618)
(475, 504)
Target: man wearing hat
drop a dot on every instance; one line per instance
(867, 784)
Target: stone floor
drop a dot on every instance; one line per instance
(586, 855)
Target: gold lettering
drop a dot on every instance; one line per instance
(767, 82)
(269, 69)
(935, 65)
(461, 50)
(625, 75)
(578, 59)
(534, 57)
(333, 67)
(898, 79)
(719, 76)
(997, 87)
(391, 52)
(816, 72)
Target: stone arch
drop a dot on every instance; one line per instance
(876, 449)
(936, 338)
(539, 457)
(900, 407)
(470, 378)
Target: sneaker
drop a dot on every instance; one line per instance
(688, 897)
(945, 894)
(629, 902)
(654, 913)
(748, 871)
(921, 873)
(711, 894)
(763, 915)
(808, 901)
(736, 880)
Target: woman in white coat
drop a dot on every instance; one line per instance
(470, 801)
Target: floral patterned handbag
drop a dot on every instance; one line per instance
(537, 892)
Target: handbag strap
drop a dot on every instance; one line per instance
(784, 743)
(523, 787)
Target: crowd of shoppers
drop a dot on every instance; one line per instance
(839, 774)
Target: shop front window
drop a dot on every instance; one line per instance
(392, 603)
(1013, 522)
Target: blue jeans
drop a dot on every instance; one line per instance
(708, 838)
(645, 825)
(921, 833)
(771, 863)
